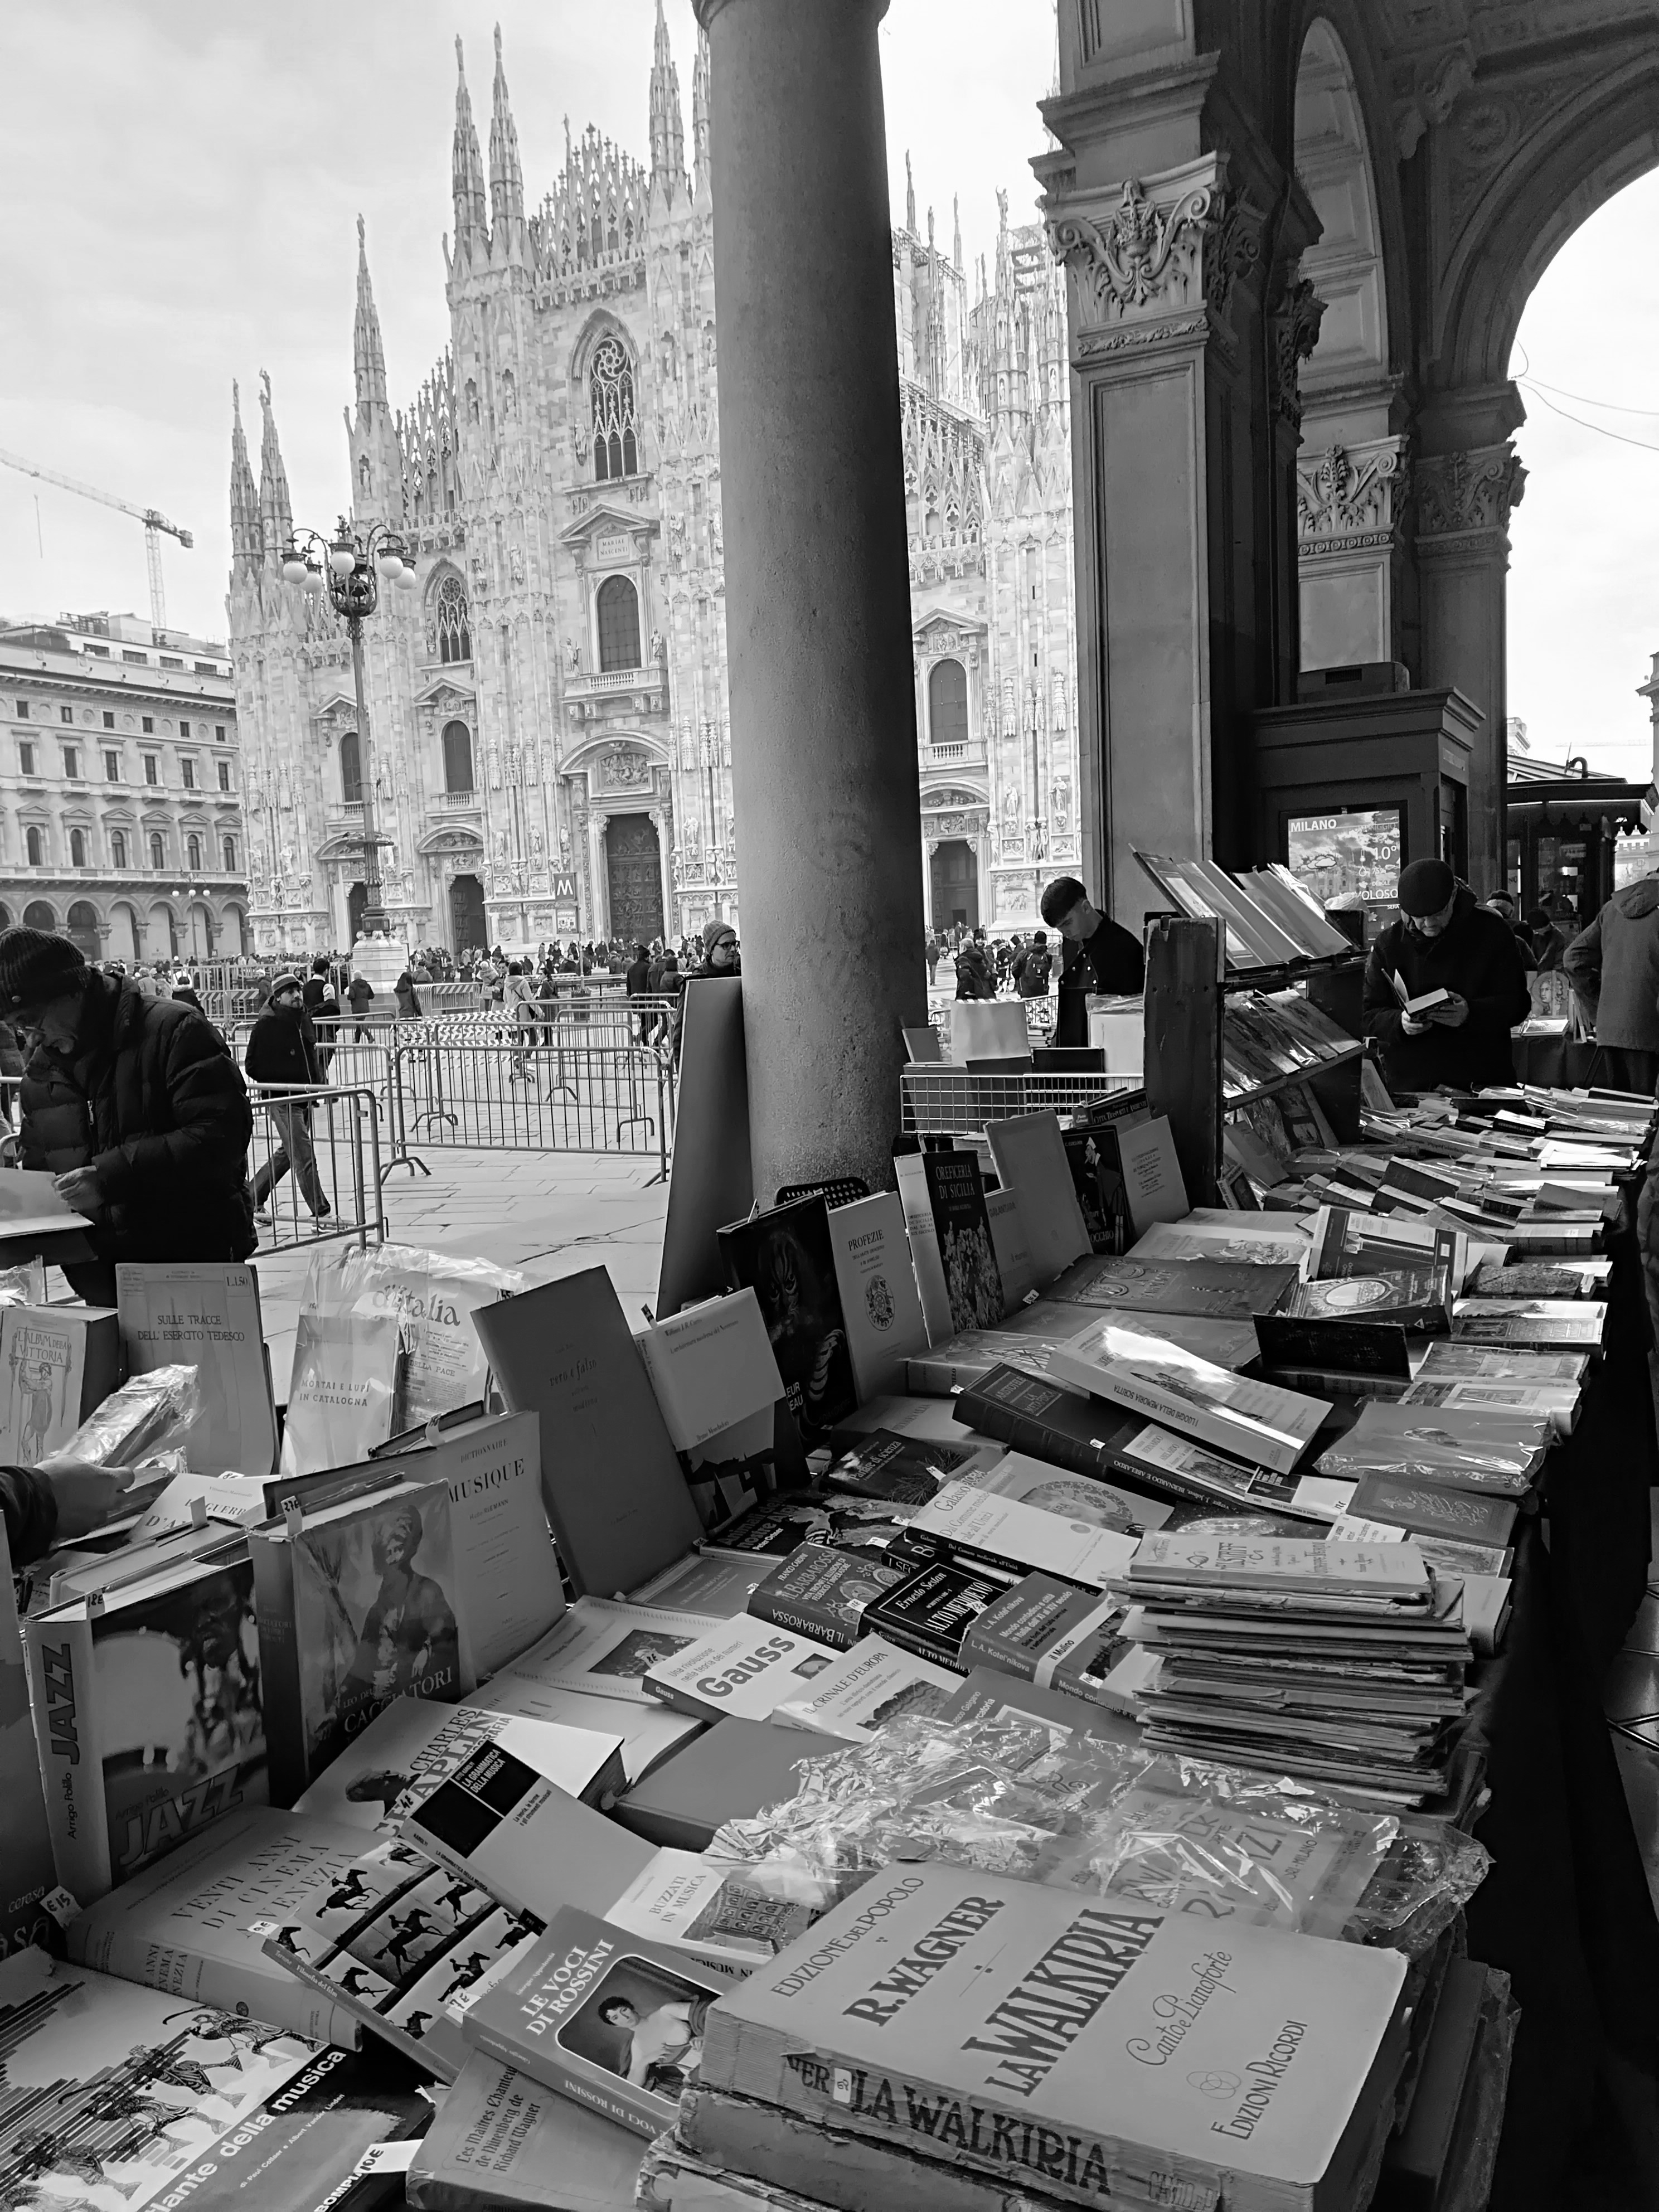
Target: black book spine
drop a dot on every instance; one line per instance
(805, 1616)
(985, 1412)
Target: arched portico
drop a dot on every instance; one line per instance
(1300, 234)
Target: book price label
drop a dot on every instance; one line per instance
(63, 1904)
(388, 2157)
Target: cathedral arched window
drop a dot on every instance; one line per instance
(947, 704)
(454, 621)
(158, 852)
(458, 757)
(618, 607)
(36, 842)
(610, 388)
(352, 770)
(230, 856)
(118, 848)
(194, 852)
(78, 849)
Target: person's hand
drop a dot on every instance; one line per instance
(1412, 1024)
(80, 1189)
(88, 1496)
(1453, 1014)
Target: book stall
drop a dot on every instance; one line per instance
(1069, 1683)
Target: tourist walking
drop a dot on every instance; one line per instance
(281, 1056)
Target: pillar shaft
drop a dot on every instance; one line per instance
(818, 596)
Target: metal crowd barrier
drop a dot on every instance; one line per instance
(568, 1094)
(313, 1143)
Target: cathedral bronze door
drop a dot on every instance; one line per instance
(633, 866)
(468, 930)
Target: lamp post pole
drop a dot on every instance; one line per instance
(345, 567)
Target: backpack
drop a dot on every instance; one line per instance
(1039, 965)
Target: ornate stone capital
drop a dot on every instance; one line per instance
(1465, 496)
(1350, 498)
(1149, 253)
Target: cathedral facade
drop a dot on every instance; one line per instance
(548, 740)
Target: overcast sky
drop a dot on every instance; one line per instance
(193, 173)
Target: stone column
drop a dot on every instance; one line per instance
(817, 599)
(598, 921)
(1351, 501)
(1463, 500)
(663, 820)
(1181, 467)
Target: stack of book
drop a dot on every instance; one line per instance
(1342, 1664)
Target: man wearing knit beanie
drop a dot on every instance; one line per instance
(1444, 984)
(133, 1105)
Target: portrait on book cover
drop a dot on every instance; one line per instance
(643, 2023)
(788, 1258)
(635, 1654)
(372, 1616)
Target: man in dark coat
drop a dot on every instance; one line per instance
(1444, 941)
(134, 1105)
(636, 983)
(1099, 955)
(1613, 968)
(282, 1055)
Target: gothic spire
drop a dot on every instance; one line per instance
(466, 167)
(245, 543)
(368, 355)
(275, 507)
(506, 177)
(668, 130)
(700, 115)
(909, 196)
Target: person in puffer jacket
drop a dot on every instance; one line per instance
(1613, 968)
(134, 1106)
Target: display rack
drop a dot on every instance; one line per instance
(1186, 991)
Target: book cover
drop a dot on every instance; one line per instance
(610, 2019)
(374, 1613)
(1436, 1513)
(879, 1301)
(1039, 1482)
(963, 1965)
(614, 1495)
(1465, 1447)
(956, 1196)
(1012, 1249)
(930, 1612)
(403, 1945)
(207, 1317)
(1153, 1188)
(824, 1592)
(718, 1584)
(56, 1365)
(508, 1589)
(122, 2096)
(1009, 1532)
(784, 1523)
(786, 1257)
(1091, 1157)
(26, 1872)
(433, 1296)
(1343, 1342)
(1216, 1290)
(727, 1772)
(743, 1668)
(504, 1818)
(183, 1925)
(712, 1366)
(895, 1468)
(1029, 1154)
(710, 1910)
(405, 1751)
(922, 1232)
(1057, 1637)
(343, 1392)
(873, 1683)
(604, 1648)
(148, 1715)
(1257, 1420)
(500, 2139)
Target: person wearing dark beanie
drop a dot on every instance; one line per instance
(1446, 949)
(134, 1106)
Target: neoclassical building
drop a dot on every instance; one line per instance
(548, 732)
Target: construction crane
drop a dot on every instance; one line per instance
(154, 523)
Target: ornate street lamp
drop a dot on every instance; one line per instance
(344, 566)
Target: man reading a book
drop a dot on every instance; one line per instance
(1444, 984)
(1100, 954)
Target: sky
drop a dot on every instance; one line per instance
(197, 172)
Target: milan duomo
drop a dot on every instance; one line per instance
(548, 735)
